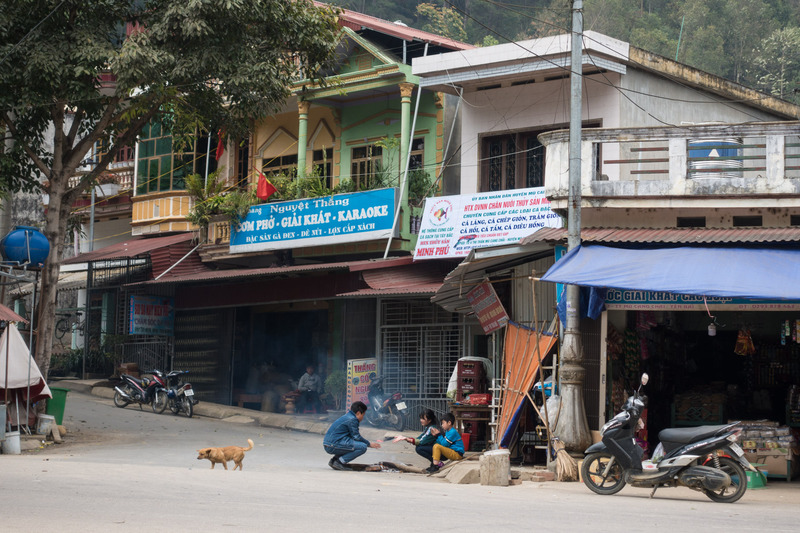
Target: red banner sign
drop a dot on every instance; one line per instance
(490, 312)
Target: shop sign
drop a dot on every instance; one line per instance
(488, 308)
(648, 300)
(360, 373)
(454, 225)
(340, 218)
(151, 315)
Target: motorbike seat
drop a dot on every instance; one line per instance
(689, 435)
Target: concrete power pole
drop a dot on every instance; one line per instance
(573, 428)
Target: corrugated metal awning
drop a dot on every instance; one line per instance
(67, 281)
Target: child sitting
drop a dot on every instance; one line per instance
(448, 443)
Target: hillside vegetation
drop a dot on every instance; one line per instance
(753, 42)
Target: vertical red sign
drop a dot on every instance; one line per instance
(490, 312)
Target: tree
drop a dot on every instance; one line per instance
(78, 72)
(776, 66)
(442, 21)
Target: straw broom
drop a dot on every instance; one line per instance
(566, 467)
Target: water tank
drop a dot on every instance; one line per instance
(721, 158)
(25, 243)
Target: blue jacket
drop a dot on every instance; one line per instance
(343, 433)
(452, 440)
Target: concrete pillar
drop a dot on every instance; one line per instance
(405, 134)
(495, 468)
(302, 137)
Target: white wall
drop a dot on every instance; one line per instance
(525, 107)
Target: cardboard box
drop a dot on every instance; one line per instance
(776, 465)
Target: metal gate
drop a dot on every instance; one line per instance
(420, 344)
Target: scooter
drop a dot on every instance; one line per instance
(705, 458)
(177, 395)
(142, 391)
(385, 409)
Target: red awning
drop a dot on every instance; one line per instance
(130, 248)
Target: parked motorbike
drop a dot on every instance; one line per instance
(136, 390)
(386, 409)
(705, 458)
(176, 395)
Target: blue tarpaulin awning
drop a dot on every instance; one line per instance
(752, 273)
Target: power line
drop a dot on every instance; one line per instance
(32, 30)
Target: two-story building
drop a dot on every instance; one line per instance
(320, 277)
(670, 155)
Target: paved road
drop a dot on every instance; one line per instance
(126, 470)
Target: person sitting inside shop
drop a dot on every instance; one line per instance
(310, 388)
(343, 439)
(448, 443)
(424, 443)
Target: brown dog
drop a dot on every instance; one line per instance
(223, 455)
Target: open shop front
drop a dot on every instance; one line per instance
(716, 349)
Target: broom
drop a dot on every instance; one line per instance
(566, 467)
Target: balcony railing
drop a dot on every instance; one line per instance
(730, 160)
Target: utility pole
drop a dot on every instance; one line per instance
(573, 428)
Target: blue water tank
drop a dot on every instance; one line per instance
(23, 243)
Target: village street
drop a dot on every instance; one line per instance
(129, 469)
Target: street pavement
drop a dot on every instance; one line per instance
(130, 469)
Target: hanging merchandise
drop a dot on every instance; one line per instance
(783, 333)
(744, 343)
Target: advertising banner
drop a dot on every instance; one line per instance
(360, 372)
(358, 216)
(151, 315)
(649, 300)
(488, 308)
(454, 225)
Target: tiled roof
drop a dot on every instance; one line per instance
(748, 235)
(132, 247)
(358, 21)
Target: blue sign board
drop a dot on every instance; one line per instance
(151, 315)
(340, 218)
(649, 300)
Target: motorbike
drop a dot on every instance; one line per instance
(386, 409)
(176, 395)
(704, 458)
(142, 391)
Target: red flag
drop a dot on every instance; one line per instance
(220, 144)
(265, 189)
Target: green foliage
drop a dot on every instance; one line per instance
(442, 21)
(336, 386)
(419, 187)
(236, 205)
(776, 65)
(207, 196)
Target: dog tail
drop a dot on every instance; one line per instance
(250, 442)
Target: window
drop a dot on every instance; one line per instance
(739, 222)
(417, 154)
(161, 169)
(365, 165)
(323, 163)
(691, 222)
(282, 164)
(512, 161)
(242, 163)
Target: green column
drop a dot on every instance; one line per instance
(302, 137)
(405, 134)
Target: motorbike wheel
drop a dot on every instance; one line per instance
(187, 406)
(174, 406)
(738, 484)
(372, 418)
(159, 401)
(397, 421)
(119, 401)
(592, 471)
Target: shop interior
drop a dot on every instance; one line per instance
(708, 368)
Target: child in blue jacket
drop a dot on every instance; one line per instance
(448, 443)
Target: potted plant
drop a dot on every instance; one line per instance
(336, 387)
(107, 185)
